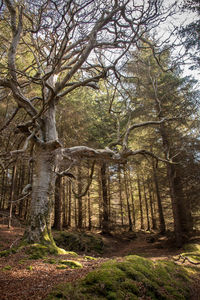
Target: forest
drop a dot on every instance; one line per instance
(99, 149)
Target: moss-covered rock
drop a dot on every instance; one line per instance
(79, 241)
(133, 278)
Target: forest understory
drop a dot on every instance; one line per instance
(27, 275)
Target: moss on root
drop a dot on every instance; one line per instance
(133, 278)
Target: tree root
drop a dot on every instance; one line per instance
(185, 258)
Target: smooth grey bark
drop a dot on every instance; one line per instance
(43, 187)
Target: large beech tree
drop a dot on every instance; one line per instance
(49, 49)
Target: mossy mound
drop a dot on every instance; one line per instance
(37, 251)
(193, 252)
(133, 278)
(79, 241)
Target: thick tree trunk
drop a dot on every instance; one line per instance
(39, 229)
(45, 163)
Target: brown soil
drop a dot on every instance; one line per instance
(22, 278)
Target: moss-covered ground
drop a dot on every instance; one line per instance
(94, 266)
(132, 278)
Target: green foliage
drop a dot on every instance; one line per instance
(133, 278)
(79, 241)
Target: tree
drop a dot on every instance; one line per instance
(166, 95)
(191, 32)
(55, 47)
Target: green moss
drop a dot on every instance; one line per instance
(90, 258)
(71, 263)
(192, 247)
(135, 277)
(38, 251)
(8, 252)
(61, 267)
(7, 268)
(79, 241)
(30, 268)
(50, 261)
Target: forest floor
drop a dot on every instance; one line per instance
(24, 278)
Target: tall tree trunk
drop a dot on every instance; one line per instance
(132, 198)
(127, 200)
(105, 221)
(162, 227)
(146, 205)
(89, 211)
(12, 194)
(79, 198)
(69, 203)
(120, 195)
(45, 163)
(58, 207)
(153, 218)
(140, 203)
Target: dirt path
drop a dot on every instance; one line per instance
(22, 278)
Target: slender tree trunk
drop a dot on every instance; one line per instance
(132, 198)
(162, 227)
(120, 195)
(105, 221)
(140, 203)
(146, 206)
(69, 204)
(21, 184)
(80, 200)
(12, 195)
(127, 201)
(100, 199)
(89, 211)
(153, 219)
(65, 202)
(58, 207)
